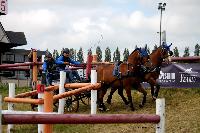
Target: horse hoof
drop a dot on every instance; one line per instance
(101, 109)
(141, 105)
(107, 109)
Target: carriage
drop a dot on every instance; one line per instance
(71, 102)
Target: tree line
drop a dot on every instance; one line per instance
(116, 56)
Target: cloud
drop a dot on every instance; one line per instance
(33, 22)
(80, 23)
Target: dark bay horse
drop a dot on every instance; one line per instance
(129, 71)
(156, 59)
(152, 66)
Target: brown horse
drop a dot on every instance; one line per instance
(153, 71)
(126, 80)
(152, 66)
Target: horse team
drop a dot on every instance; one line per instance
(140, 67)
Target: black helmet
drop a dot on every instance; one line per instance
(66, 50)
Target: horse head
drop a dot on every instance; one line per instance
(160, 54)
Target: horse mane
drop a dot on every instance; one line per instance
(156, 50)
(135, 50)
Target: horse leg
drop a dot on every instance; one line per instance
(152, 82)
(102, 92)
(156, 91)
(142, 90)
(152, 90)
(128, 92)
(120, 92)
(111, 94)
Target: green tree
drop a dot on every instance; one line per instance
(99, 54)
(55, 54)
(72, 53)
(155, 47)
(176, 53)
(197, 50)
(89, 52)
(46, 52)
(107, 55)
(80, 55)
(116, 55)
(136, 46)
(62, 51)
(126, 54)
(186, 52)
(147, 48)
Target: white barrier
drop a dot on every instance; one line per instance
(61, 105)
(160, 110)
(11, 105)
(93, 92)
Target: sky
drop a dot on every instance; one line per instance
(57, 24)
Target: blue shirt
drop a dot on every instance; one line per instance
(60, 62)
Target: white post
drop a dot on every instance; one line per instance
(160, 110)
(62, 90)
(93, 92)
(40, 109)
(11, 105)
(1, 114)
(43, 57)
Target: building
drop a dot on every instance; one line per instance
(9, 40)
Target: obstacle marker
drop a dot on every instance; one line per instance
(11, 105)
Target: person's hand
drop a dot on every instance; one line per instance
(66, 63)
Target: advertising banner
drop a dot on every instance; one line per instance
(180, 75)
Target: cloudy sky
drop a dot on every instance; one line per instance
(55, 24)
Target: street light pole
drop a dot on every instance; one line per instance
(161, 7)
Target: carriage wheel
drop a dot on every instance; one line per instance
(86, 98)
(72, 104)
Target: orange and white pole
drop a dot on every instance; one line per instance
(40, 90)
(35, 71)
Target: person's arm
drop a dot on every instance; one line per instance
(74, 62)
(60, 60)
(44, 66)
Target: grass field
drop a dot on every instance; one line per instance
(182, 114)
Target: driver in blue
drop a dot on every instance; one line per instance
(48, 69)
(63, 61)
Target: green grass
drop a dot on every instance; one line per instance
(182, 114)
